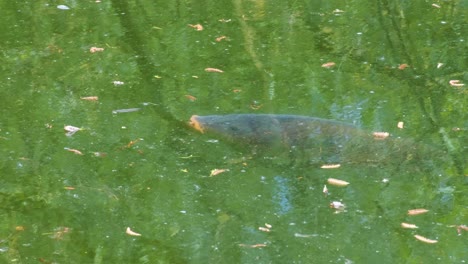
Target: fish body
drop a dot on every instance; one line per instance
(312, 138)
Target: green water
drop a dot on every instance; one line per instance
(147, 170)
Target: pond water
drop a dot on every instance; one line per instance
(128, 75)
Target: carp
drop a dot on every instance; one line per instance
(314, 139)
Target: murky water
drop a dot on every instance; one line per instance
(130, 75)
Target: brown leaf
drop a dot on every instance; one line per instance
(417, 211)
(380, 135)
(410, 226)
(90, 98)
(213, 70)
(330, 166)
(215, 172)
(197, 27)
(425, 240)
(77, 152)
(95, 49)
(328, 65)
(337, 182)
(131, 233)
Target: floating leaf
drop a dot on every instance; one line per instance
(403, 66)
(337, 205)
(90, 98)
(337, 182)
(328, 65)
(325, 190)
(380, 135)
(131, 233)
(198, 27)
(253, 246)
(213, 70)
(456, 83)
(218, 39)
(77, 152)
(215, 172)
(190, 97)
(330, 166)
(425, 240)
(95, 49)
(127, 110)
(417, 211)
(409, 226)
(63, 7)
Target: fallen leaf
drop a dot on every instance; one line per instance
(417, 211)
(328, 65)
(89, 98)
(215, 172)
(131, 233)
(425, 240)
(190, 97)
(213, 70)
(117, 83)
(330, 166)
(456, 83)
(71, 130)
(218, 39)
(268, 225)
(403, 66)
(69, 188)
(77, 152)
(19, 228)
(410, 226)
(380, 135)
(128, 110)
(436, 5)
(198, 27)
(337, 205)
(95, 49)
(337, 182)
(325, 190)
(253, 246)
(264, 229)
(400, 125)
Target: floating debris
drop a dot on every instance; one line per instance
(218, 39)
(337, 182)
(71, 130)
(338, 206)
(417, 211)
(131, 233)
(215, 172)
(380, 135)
(95, 49)
(63, 7)
(403, 66)
(90, 98)
(197, 27)
(409, 226)
(253, 246)
(328, 65)
(425, 240)
(77, 152)
(128, 110)
(330, 166)
(456, 83)
(325, 190)
(213, 70)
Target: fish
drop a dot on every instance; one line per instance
(314, 139)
